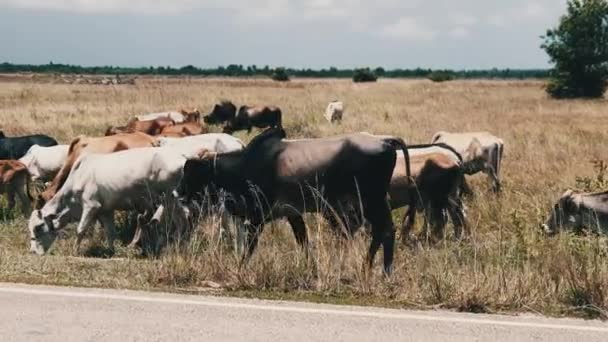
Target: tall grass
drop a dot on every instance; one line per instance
(506, 265)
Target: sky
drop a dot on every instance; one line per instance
(457, 34)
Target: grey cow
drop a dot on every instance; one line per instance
(576, 210)
(480, 151)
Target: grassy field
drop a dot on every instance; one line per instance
(507, 265)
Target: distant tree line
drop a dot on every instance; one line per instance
(235, 70)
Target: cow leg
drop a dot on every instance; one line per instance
(299, 231)
(10, 197)
(465, 189)
(26, 206)
(87, 219)
(253, 231)
(409, 220)
(378, 214)
(458, 217)
(107, 221)
(437, 222)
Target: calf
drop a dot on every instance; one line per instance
(150, 127)
(577, 210)
(14, 180)
(249, 117)
(481, 152)
(12, 148)
(100, 184)
(82, 144)
(275, 178)
(436, 175)
(44, 162)
(184, 129)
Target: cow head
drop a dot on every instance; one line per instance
(42, 232)
(198, 175)
(474, 157)
(223, 112)
(192, 115)
(566, 214)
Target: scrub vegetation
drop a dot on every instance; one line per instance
(507, 264)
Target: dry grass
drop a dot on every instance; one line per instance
(506, 266)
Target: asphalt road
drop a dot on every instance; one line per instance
(37, 313)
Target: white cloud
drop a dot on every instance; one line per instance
(459, 32)
(533, 10)
(463, 19)
(409, 28)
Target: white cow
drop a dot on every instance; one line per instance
(334, 111)
(480, 151)
(45, 162)
(100, 184)
(217, 142)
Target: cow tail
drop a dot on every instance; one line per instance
(399, 143)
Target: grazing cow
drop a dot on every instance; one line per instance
(577, 210)
(150, 127)
(44, 162)
(100, 184)
(82, 144)
(334, 111)
(13, 148)
(481, 152)
(214, 142)
(274, 178)
(225, 111)
(249, 117)
(436, 171)
(184, 129)
(178, 117)
(14, 180)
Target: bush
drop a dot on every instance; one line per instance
(280, 75)
(440, 76)
(364, 75)
(579, 49)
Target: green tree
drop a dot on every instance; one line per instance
(280, 74)
(364, 75)
(578, 47)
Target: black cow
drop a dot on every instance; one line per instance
(223, 112)
(17, 147)
(249, 117)
(273, 178)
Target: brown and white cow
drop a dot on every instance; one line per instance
(150, 127)
(481, 152)
(577, 210)
(14, 180)
(82, 144)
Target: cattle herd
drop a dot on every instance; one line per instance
(352, 180)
